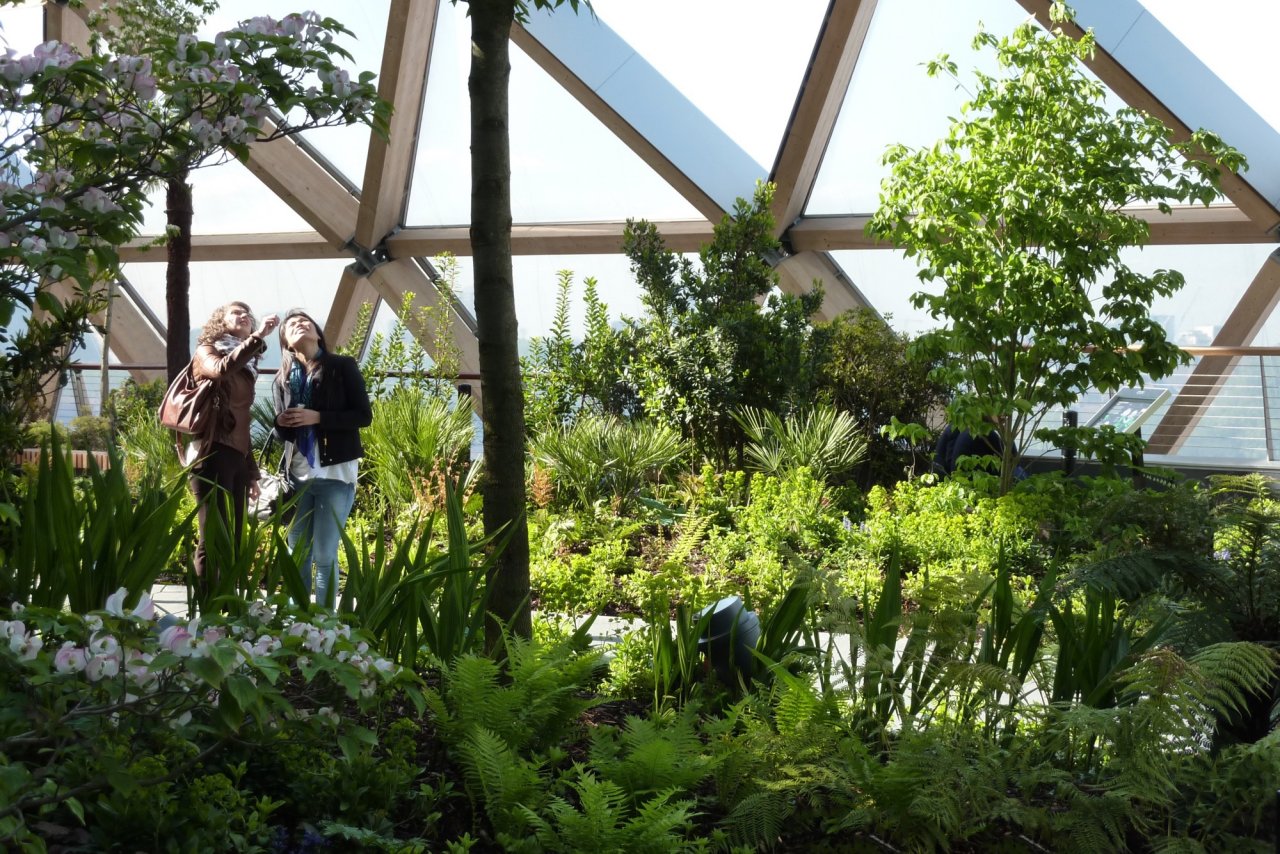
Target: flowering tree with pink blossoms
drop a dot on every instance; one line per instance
(76, 688)
(86, 135)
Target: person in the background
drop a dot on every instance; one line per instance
(225, 473)
(321, 403)
(954, 444)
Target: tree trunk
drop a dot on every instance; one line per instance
(177, 275)
(503, 400)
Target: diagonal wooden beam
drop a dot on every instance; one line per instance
(136, 335)
(1211, 373)
(353, 291)
(396, 278)
(402, 81)
(66, 23)
(1137, 94)
(307, 187)
(798, 272)
(813, 118)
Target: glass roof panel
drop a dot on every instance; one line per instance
(1236, 42)
(535, 289)
(345, 147)
(741, 63)
(267, 286)
(227, 199)
(891, 99)
(1216, 277)
(565, 165)
(22, 26)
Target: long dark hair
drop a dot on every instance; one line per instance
(287, 357)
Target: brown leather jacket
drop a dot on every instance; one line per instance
(235, 373)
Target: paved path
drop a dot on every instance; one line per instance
(172, 599)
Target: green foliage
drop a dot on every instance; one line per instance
(723, 337)
(598, 818)
(415, 594)
(415, 443)
(419, 352)
(787, 523)
(141, 737)
(1018, 212)
(130, 402)
(823, 439)
(864, 370)
(603, 458)
(78, 545)
(90, 433)
(550, 395)
(563, 380)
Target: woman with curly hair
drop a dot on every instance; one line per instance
(225, 473)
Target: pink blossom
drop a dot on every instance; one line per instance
(176, 639)
(102, 667)
(70, 658)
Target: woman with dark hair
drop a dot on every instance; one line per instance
(321, 403)
(227, 352)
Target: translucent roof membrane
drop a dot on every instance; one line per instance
(267, 286)
(1216, 276)
(536, 278)
(227, 199)
(892, 100)
(345, 147)
(565, 165)
(740, 63)
(1236, 42)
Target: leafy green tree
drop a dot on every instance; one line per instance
(864, 370)
(496, 329)
(720, 337)
(263, 80)
(1019, 214)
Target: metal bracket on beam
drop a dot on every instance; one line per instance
(367, 260)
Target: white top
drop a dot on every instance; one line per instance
(300, 469)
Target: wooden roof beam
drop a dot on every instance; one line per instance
(306, 186)
(1121, 23)
(402, 82)
(1211, 373)
(1183, 226)
(808, 132)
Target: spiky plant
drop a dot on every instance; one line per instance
(822, 438)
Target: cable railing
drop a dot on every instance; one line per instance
(1222, 409)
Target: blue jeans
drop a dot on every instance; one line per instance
(316, 530)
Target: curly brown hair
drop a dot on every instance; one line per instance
(216, 326)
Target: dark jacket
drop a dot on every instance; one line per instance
(339, 395)
(954, 444)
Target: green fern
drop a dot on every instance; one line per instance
(602, 821)
(650, 755)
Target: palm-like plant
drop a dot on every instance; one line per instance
(604, 457)
(823, 439)
(416, 441)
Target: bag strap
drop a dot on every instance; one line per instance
(286, 457)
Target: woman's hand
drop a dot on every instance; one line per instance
(269, 323)
(298, 417)
(253, 490)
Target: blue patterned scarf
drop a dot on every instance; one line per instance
(304, 438)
